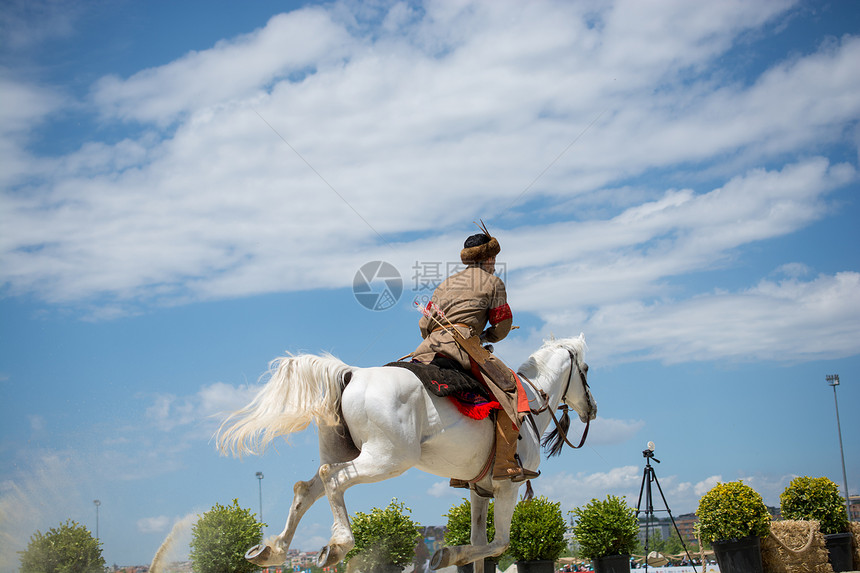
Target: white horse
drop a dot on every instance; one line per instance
(376, 423)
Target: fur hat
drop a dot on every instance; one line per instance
(479, 247)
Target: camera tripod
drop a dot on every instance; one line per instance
(649, 476)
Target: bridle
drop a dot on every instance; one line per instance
(561, 428)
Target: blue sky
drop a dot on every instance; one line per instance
(188, 191)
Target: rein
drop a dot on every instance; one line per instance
(560, 428)
(563, 433)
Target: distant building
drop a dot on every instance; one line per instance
(661, 527)
(301, 560)
(686, 523)
(854, 507)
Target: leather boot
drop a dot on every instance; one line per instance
(506, 464)
(460, 483)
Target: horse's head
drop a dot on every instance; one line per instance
(577, 394)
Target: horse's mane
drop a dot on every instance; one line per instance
(537, 363)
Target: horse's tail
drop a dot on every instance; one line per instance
(301, 389)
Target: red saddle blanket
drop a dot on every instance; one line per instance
(469, 395)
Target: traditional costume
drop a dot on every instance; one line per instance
(474, 303)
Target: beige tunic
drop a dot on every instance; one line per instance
(471, 299)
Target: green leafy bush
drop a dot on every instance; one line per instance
(537, 530)
(220, 538)
(605, 527)
(732, 510)
(459, 528)
(384, 537)
(815, 499)
(69, 547)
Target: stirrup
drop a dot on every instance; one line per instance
(516, 474)
(458, 483)
(525, 475)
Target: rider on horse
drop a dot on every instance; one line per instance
(470, 300)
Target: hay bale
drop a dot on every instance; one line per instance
(854, 527)
(789, 549)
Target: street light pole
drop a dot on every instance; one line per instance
(260, 481)
(97, 503)
(833, 380)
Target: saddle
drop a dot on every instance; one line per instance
(445, 378)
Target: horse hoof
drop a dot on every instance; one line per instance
(266, 556)
(329, 555)
(258, 554)
(442, 558)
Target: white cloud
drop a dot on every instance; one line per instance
(607, 431)
(683, 497)
(704, 486)
(576, 489)
(37, 422)
(232, 69)
(793, 270)
(455, 105)
(24, 23)
(157, 524)
(25, 106)
(631, 254)
(221, 398)
(441, 489)
(770, 321)
(201, 410)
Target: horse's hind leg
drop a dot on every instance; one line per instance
(335, 446)
(337, 478)
(306, 493)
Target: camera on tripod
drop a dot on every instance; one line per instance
(649, 476)
(649, 453)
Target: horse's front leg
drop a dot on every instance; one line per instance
(478, 537)
(474, 552)
(503, 512)
(306, 493)
(506, 496)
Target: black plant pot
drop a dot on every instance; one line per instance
(612, 564)
(543, 566)
(489, 566)
(839, 548)
(739, 555)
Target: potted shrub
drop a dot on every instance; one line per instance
(537, 535)
(818, 499)
(385, 539)
(459, 532)
(606, 531)
(733, 519)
